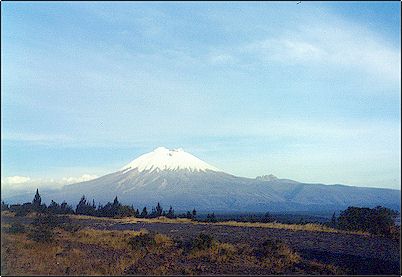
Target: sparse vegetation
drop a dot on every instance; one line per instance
(276, 255)
(202, 242)
(42, 228)
(16, 228)
(142, 241)
(142, 252)
(377, 221)
(44, 235)
(4, 206)
(112, 252)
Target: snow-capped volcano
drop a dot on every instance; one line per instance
(177, 178)
(164, 159)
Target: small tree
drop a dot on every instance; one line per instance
(211, 217)
(159, 210)
(268, 218)
(83, 207)
(333, 221)
(65, 208)
(115, 207)
(4, 206)
(53, 208)
(144, 212)
(194, 213)
(80, 209)
(125, 211)
(116, 202)
(152, 214)
(37, 201)
(170, 213)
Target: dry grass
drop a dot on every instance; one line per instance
(324, 269)
(277, 256)
(161, 219)
(23, 256)
(275, 225)
(7, 213)
(218, 253)
(112, 239)
(163, 241)
(309, 227)
(89, 252)
(102, 252)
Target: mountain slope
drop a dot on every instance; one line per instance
(182, 189)
(177, 178)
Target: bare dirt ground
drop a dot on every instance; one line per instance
(361, 254)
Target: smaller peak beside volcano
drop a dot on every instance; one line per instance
(163, 158)
(269, 177)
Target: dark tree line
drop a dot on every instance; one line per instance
(23, 209)
(377, 221)
(85, 207)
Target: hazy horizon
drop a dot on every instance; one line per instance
(309, 91)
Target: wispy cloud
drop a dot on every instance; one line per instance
(286, 50)
(221, 59)
(337, 45)
(36, 138)
(83, 178)
(20, 184)
(15, 180)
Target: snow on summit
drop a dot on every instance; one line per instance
(168, 159)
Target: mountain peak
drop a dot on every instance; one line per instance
(163, 158)
(269, 177)
(164, 149)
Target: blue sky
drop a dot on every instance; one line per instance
(306, 91)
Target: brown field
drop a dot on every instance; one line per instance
(102, 247)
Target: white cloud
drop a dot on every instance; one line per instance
(286, 50)
(14, 184)
(17, 180)
(336, 44)
(83, 178)
(221, 58)
(38, 138)
(316, 130)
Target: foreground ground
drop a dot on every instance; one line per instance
(101, 246)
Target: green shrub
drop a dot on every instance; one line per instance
(142, 241)
(202, 242)
(22, 210)
(16, 228)
(395, 233)
(72, 228)
(277, 256)
(42, 234)
(42, 230)
(377, 221)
